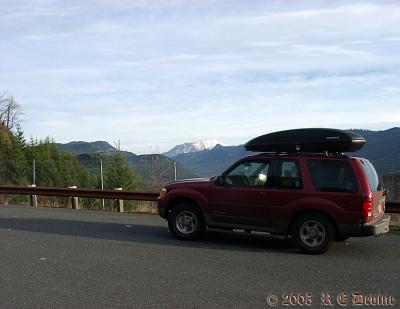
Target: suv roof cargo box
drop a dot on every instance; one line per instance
(307, 140)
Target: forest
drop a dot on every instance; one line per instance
(40, 162)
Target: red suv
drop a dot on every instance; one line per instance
(315, 199)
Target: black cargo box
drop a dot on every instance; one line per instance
(307, 140)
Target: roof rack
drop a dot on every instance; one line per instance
(311, 140)
(303, 154)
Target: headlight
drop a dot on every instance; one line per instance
(162, 193)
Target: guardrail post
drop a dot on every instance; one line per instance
(119, 204)
(74, 200)
(33, 198)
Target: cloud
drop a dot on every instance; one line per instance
(165, 72)
(44, 36)
(14, 11)
(265, 44)
(320, 50)
(141, 4)
(330, 12)
(395, 39)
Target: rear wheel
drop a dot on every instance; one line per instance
(186, 222)
(313, 233)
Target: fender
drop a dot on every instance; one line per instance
(185, 193)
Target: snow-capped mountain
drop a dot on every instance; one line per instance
(193, 147)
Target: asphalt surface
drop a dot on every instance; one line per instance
(61, 258)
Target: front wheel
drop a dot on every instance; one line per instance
(186, 222)
(313, 233)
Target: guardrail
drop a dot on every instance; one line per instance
(117, 194)
(75, 192)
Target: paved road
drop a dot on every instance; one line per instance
(60, 258)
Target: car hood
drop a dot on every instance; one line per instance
(195, 182)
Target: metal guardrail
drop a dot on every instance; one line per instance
(391, 206)
(75, 192)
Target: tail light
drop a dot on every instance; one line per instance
(367, 209)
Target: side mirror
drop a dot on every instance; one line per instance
(220, 181)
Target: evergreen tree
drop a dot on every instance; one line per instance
(118, 174)
(18, 166)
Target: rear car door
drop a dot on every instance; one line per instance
(287, 188)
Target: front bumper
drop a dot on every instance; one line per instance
(161, 210)
(377, 228)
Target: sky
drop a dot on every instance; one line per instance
(152, 74)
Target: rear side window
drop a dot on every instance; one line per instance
(289, 175)
(372, 176)
(332, 176)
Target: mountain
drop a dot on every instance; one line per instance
(212, 162)
(159, 169)
(87, 147)
(155, 168)
(193, 147)
(382, 149)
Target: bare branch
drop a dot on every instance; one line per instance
(10, 110)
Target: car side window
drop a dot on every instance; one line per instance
(249, 174)
(332, 176)
(289, 175)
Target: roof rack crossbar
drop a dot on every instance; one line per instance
(310, 154)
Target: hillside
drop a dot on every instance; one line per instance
(212, 162)
(155, 168)
(159, 169)
(80, 147)
(382, 149)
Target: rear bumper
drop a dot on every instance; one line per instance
(375, 228)
(378, 227)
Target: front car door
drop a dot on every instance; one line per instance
(241, 197)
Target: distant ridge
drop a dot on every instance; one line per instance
(382, 149)
(80, 147)
(150, 167)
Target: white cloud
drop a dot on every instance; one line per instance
(320, 50)
(395, 39)
(265, 44)
(124, 4)
(165, 72)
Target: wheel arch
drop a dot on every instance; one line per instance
(305, 211)
(179, 200)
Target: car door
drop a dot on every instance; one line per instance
(241, 197)
(288, 187)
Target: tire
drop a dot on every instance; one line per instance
(186, 222)
(313, 233)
